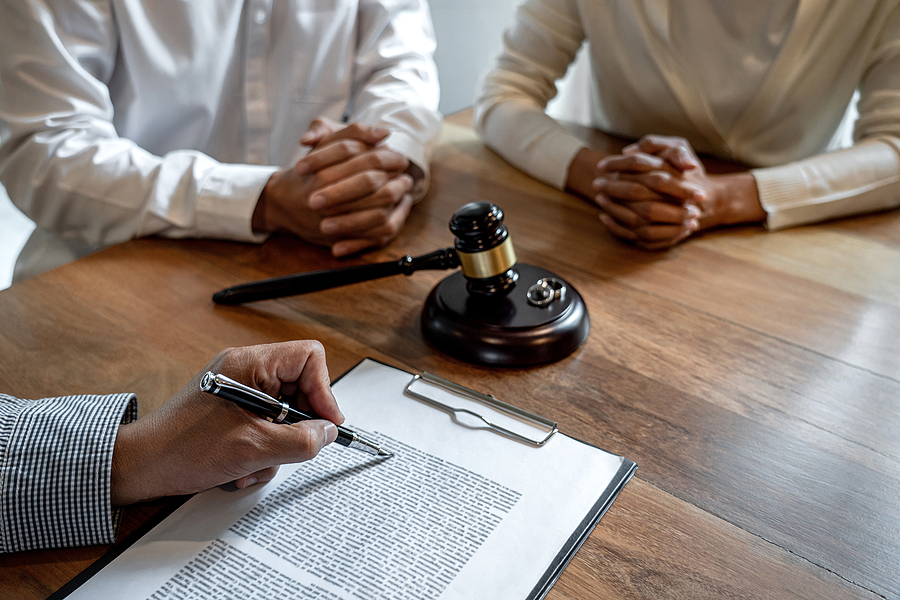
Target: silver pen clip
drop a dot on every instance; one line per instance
(213, 382)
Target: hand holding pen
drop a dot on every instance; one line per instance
(196, 441)
(277, 411)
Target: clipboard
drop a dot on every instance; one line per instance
(143, 567)
(539, 423)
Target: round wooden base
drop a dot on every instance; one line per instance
(504, 331)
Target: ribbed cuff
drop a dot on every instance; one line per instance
(531, 141)
(779, 188)
(561, 151)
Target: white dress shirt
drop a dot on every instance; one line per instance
(122, 118)
(766, 83)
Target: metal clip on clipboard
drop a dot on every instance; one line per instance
(517, 413)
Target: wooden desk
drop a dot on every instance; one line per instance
(754, 377)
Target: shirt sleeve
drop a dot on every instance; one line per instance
(55, 465)
(509, 112)
(395, 79)
(62, 160)
(863, 178)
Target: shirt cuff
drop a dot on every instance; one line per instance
(55, 469)
(227, 201)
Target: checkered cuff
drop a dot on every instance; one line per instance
(55, 464)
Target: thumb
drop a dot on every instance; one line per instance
(680, 157)
(318, 129)
(303, 441)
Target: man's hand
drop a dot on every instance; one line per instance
(353, 192)
(363, 193)
(324, 131)
(283, 207)
(196, 441)
(657, 193)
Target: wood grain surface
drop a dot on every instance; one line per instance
(754, 377)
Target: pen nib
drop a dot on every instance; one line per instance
(383, 452)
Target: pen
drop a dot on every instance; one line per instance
(278, 412)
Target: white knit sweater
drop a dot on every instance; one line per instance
(655, 69)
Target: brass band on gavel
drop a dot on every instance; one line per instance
(488, 263)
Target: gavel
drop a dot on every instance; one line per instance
(482, 249)
(479, 314)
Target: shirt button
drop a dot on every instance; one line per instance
(260, 16)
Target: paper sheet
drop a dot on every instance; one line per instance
(458, 513)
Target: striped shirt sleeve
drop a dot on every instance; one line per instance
(55, 465)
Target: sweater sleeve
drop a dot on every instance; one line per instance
(55, 465)
(509, 113)
(860, 179)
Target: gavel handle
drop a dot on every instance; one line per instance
(302, 283)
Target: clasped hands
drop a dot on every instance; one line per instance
(657, 193)
(349, 193)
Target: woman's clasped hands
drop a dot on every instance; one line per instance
(657, 193)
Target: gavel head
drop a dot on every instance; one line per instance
(485, 252)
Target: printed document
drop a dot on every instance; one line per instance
(459, 512)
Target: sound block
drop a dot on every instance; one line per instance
(510, 330)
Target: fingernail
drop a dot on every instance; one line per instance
(316, 201)
(693, 211)
(327, 225)
(694, 225)
(307, 137)
(250, 481)
(330, 432)
(302, 168)
(599, 182)
(380, 131)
